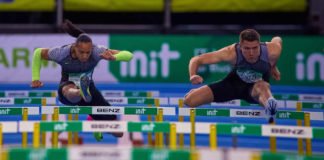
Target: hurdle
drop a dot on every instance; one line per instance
(127, 153)
(233, 113)
(181, 127)
(137, 110)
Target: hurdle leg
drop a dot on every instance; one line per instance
(76, 134)
(181, 119)
(300, 140)
(70, 140)
(44, 118)
(1, 136)
(193, 129)
(24, 141)
(55, 133)
(308, 140)
(273, 142)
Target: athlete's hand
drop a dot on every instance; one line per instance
(196, 79)
(275, 73)
(108, 55)
(36, 84)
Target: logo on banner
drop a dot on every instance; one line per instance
(248, 113)
(37, 154)
(149, 66)
(100, 154)
(238, 129)
(287, 131)
(5, 111)
(212, 112)
(105, 126)
(140, 111)
(307, 70)
(75, 110)
(115, 100)
(148, 127)
(60, 127)
(108, 110)
(284, 115)
(27, 101)
(16, 94)
(112, 94)
(160, 154)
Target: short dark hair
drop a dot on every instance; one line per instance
(249, 35)
(85, 38)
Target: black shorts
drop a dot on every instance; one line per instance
(231, 88)
(97, 100)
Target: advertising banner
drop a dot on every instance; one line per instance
(159, 58)
(16, 53)
(187, 5)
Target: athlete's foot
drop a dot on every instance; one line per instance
(84, 88)
(98, 136)
(271, 110)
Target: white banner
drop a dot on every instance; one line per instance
(287, 131)
(16, 52)
(104, 126)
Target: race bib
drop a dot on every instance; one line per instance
(249, 76)
(76, 77)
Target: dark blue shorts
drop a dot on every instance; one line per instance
(231, 88)
(97, 100)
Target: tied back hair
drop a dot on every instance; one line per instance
(84, 38)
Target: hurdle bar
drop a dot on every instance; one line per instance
(241, 103)
(53, 93)
(181, 127)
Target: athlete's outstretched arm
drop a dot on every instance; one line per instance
(39, 55)
(226, 54)
(275, 48)
(117, 55)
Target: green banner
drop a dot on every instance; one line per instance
(41, 94)
(39, 154)
(294, 97)
(228, 129)
(11, 111)
(140, 111)
(148, 127)
(312, 105)
(290, 115)
(161, 154)
(287, 156)
(213, 112)
(187, 5)
(318, 133)
(28, 101)
(159, 58)
(140, 100)
(137, 94)
(75, 110)
(61, 126)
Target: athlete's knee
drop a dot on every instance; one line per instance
(71, 93)
(189, 101)
(262, 85)
(66, 89)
